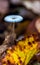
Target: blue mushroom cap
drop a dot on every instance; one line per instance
(13, 18)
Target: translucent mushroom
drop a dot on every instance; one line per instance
(13, 19)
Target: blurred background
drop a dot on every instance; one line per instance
(28, 9)
(21, 7)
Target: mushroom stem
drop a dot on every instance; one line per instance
(13, 29)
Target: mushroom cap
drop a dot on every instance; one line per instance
(13, 18)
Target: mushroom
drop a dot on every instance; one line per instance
(12, 19)
(10, 37)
